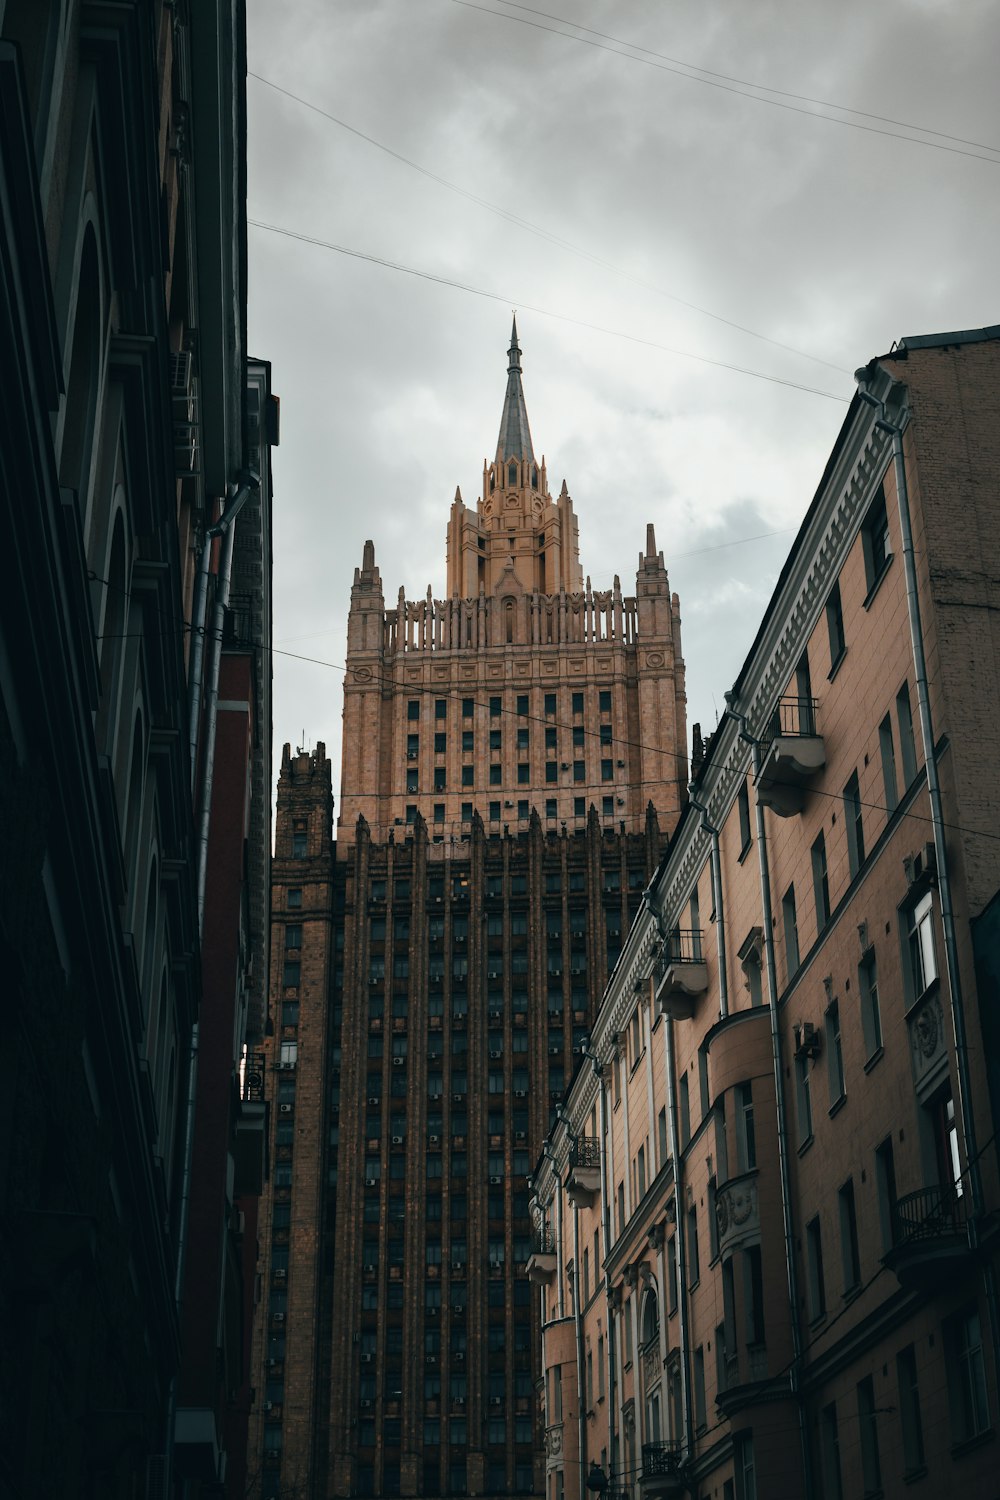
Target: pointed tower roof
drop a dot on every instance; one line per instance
(515, 435)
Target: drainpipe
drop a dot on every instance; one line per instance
(581, 1406)
(895, 429)
(597, 1068)
(720, 923)
(682, 1298)
(779, 1100)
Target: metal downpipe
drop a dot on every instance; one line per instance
(720, 919)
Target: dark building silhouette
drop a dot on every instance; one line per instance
(513, 758)
(134, 750)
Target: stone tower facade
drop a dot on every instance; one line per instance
(514, 758)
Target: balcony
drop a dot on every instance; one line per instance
(742, 1387)
(662, 1474)
(930, 1237)
(737, 1214)
(542, 1260)
(250, 1130)
(792, 752)
(682, 975)
(584, 1180)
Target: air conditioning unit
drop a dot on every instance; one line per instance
(458, 1356)
(365, 1404)
(371, 1265)
(520, 1093)
(564, 766)
(374, 1098)
(398, 1062)
(508, 804)
(458, 1401)
(620, 763)
(280, 1274)
(268, 1405)
(496, 1055)
(458, 1265)
(496, 1181)
(554, 1051)
(277, 1317)
(397, 1140)
(285, 1065)
(286, 1109)
(496, 1401)
(412, 754)
(457, 1098)
(367, 1358)
(921, 865)
(807, 1040)
(520, 1135)
(272, 1453)
(371, 1182)
(430, 1359)
(434, 1140)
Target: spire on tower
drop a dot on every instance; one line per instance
(515, 435)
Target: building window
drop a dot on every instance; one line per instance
(700, 1418)
(579, 771)
(855, 825)
(293, 935)
(411, 812)
(294, 898)
(523, 809)
(835, 628)
(672, 1274)
(494, 812)
(579, 736)
(746, 1140)
(885, 1182)
(743, 803)
(834, 1054)
(970, 1414)
(439, 812)
(607, 770)
(849, 1253)
(550, 703)
(604, 701)
(496, 773)
(821, 882)
(551, 739)
(909, 1411)
(550, 807)
(522, 739)
(907, 747)
(440, 708)
(411, 781)
(299, 844)
(578, 703)
(605, 734)
(607, 807)
(290, 975)
(871, 1020)
(468, 708)
(466, 812)
(685, 1110)
(829, 1440)
(579, 807)
(694, 1265)
(816, 1286)
(413, 708)
(440, 743)
(921, 955)
(875, 542)
(551, 771)
(496, 708)
(753, 1295)
(522, 705)
(871, 1468)
(743, 1464)
(803, 1101)
(467, 775)
(791, 930)
(523, 773)
(468, 741)
(887, 751)
(412, 746)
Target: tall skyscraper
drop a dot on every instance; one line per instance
(513, 758)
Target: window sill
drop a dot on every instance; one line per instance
(910, 1476)
(925, 994)
(876, 582)
(806, 1144)
(817, 1323)
(969, 1445)
(837, 1106)
(875, 1058)
(744, 851)
(836, 665)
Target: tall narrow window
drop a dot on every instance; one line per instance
(814, 1270)
(803, 1099)
(694, 1265)
(743, 803)
(700, 1417)
(885, 1186)
(746, 1139)
(834, 1054)
(907, 747)
(791, 925)
(871, 1020)
(835, 627)
(909, 1411)
(875, 541)
(849, 1252)
(753, 1295)
(685, 1110)
(821, 882)
(833, 1487)
(887, 751)
(920, 946)
(854, 824)
(970, 1413)
(871, 1468)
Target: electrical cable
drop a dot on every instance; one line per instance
(462, 286)
(554, 239)
(727, 88)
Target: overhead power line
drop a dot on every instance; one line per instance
(651, 61)
(546, 234)
(544, 312)
(696, 68)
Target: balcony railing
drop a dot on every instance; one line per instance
(681, 973)
(661, 1458)
(586, 1152)
(794, 718)
(930, 1214)
(683, 946)
(544, 1244)
(791, 754)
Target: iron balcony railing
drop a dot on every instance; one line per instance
(793, 718)
(585, 1152)
(661, 1458)
(683, 946)
(253, 1078)
(544, 1243)
(929, 1214)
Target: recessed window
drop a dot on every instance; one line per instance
(523, 774)
(821, 882)
(875, 541)
(578, 737)
(440, 744)
(791, 926)
(468, 741)
(411, 781)
(607, 770)
(550, 807)
(294, 900)
(439, 812)
(871, 1020)
(579, 807)
(496, 707)
(440, 778)
(496, 772)
(496, 740)
(888, 755)
(849, 1251)
(920, 946)
(522, 704)
(411, 812)
(523, 809)
(815, 1284)
(413, 708)
(607, 807)
(551, 771)
(550, 703)
(835, 627)
(298, 845)
(522, 739)
(440, 708)
(854, 824)
(412, 745)
(970, 1412)
(871, 1467)
(578, 703)
(468, 708)
(743, 803)
(466, 812)
(468, 773)
(803, 1099)
(605, 733)
(494, 812)
(907, 746)
(605, 701)
(909, 1411)
(834, 1054)
(579, 771)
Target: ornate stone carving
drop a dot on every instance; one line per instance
(736, 1210)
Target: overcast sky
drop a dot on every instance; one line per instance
(705, 207)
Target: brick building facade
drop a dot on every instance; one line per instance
(766, 1226)
(513, 756)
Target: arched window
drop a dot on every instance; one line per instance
(512, 474)
(493, 481)
(508, 621)
(649, 1325)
